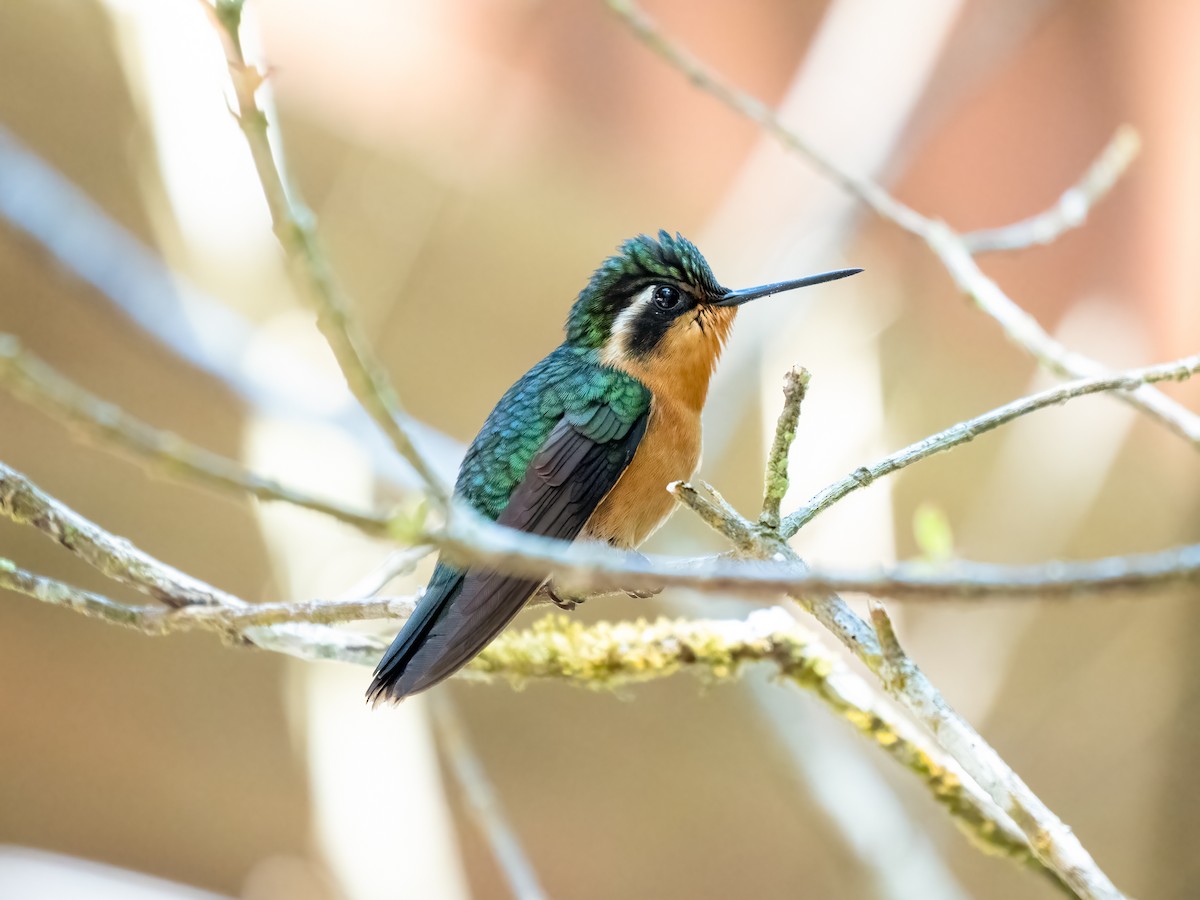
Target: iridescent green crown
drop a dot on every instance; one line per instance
(641, 260)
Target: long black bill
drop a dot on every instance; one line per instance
(745, 295)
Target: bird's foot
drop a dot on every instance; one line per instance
(642, 593)
(560, 599)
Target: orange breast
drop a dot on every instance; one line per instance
(639, 502)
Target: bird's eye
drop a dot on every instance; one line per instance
(666, 297)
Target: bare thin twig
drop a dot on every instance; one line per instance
(40, 385)
(1017, 325)
(715, 511)
(295, 227)
(483, 803)
(963, 432)
(402, 561)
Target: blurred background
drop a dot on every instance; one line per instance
(470, 164)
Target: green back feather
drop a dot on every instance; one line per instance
(601, 403)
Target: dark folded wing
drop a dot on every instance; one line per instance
(461, 612)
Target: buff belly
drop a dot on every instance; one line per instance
(639, 503)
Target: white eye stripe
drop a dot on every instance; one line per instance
(624, 321)
(622, 326)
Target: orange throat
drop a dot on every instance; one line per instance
(680, 368)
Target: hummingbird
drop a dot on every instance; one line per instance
(584, 444)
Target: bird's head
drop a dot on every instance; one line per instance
(656, 311)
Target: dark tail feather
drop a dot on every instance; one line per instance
(459, 615)
(444, 586)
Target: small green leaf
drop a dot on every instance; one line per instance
(407, 524)
(229, 14)
(931, 529)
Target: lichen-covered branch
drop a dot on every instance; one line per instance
(961, 433)
(1048, 835)
(716, 512)
(295, 227)
(37, 383)
(795, 386)
(601, 656)
(616, 654)
(1017, 325)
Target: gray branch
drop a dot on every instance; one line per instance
(1071, 209)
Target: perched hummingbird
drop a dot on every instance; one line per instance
(585, 443)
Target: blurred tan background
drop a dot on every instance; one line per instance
(471, 164)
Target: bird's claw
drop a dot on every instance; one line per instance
(562, 601)
(644, 593)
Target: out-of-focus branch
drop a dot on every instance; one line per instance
(1017, 325)
(34, 381)
(295, 227)
(699, 74)
(483, 803)
(963, 432)
(795, 386)
(1072, 208)
(38, 202)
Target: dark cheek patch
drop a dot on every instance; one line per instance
(648, 330)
